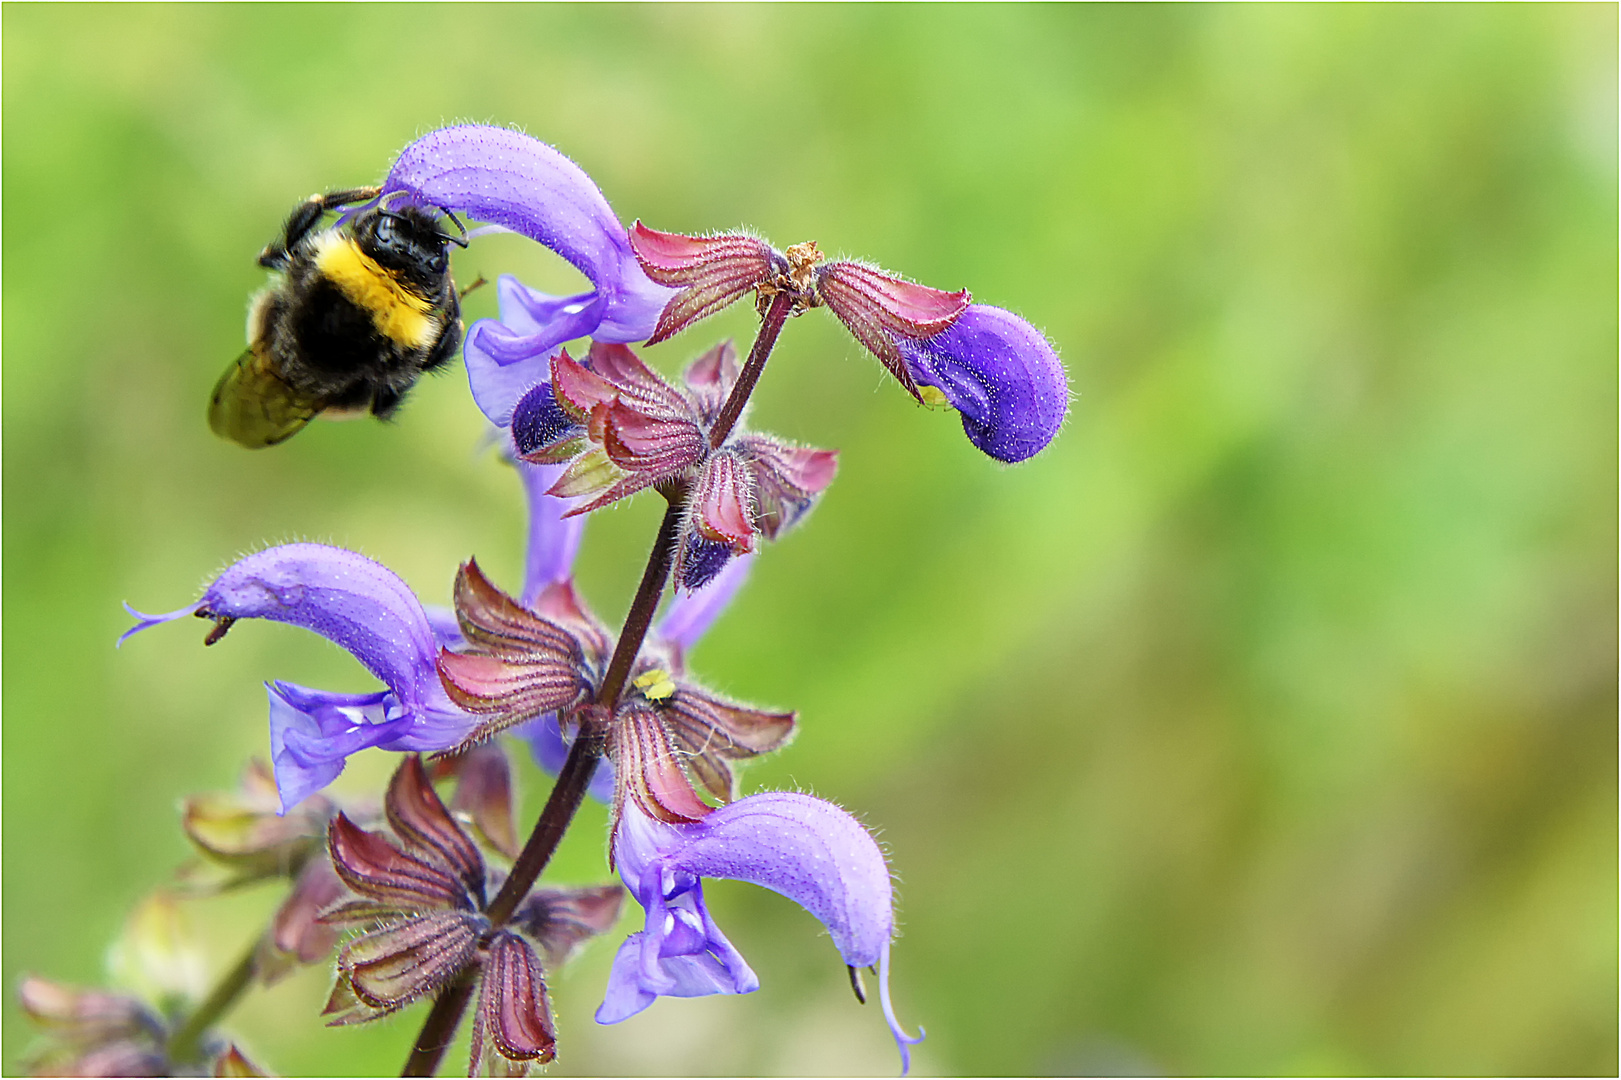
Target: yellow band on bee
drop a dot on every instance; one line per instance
(397, 312)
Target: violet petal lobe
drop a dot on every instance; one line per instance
(496, 387)
(716, 968)
(1001, 374)
(508, 357)
(312, 734)
(510, 179)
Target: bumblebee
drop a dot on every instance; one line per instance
(360, 311)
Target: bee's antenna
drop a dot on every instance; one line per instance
(458, 241)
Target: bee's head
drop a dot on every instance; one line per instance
(409, 241)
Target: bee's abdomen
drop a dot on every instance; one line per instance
(335, 336)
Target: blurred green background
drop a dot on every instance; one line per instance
(1264, 724)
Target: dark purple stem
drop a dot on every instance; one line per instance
(764, 342)
(439, 1030)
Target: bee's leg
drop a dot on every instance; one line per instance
(444, 350)
(303, 218)
(477, 284)
(385, 399)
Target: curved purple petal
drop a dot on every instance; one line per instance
(692, 613)
(553, 539)
(1001, 374)
(348, 599)
(498, 386)
(510, 179)
(526, 312)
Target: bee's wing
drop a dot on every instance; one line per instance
(253, 406)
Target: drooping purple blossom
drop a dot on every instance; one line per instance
(805, 848)
(509, 179)
(361, 606)
(1001, 374)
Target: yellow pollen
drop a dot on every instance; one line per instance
(655, 685)
(933, 396)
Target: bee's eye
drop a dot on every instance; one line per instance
(436, 262)
(385, 232)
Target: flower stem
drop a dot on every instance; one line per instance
(648, 594)
(185, 1043)
(764, 342)
(439, 1030)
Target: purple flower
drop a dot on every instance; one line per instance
(804, 848)
(519, 183)
(366, 609)
(1001, 374)
(509, 179)
(554, 540)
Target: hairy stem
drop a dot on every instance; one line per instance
(439, 1029)
(764, 342)
(640, 616)
(592, 740)
(565, 799)
(185, 1044)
